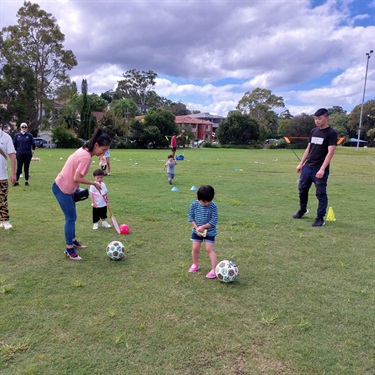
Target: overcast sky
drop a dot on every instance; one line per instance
(209, 53)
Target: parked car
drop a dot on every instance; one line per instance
(43, 143)
(198, 143)
(39, 142)
(269, 140)
(49, 145)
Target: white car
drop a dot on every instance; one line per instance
(198, 143)
(269, 140)
(43, 143)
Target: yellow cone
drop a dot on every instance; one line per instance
(331, 215)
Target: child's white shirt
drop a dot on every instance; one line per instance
(98, 199)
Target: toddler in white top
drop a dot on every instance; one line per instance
(99, 201)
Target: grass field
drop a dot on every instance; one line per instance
(303, 304)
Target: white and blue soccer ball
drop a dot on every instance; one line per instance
(115, 250)
(227, 271)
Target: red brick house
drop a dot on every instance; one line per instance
(202, 129)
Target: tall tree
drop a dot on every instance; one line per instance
(17, 92)
(36, 42)
(115, 127)
(260, 104)
(65, 91)
(338, 119)
(84, 129)
(299, 126)
(125, 109)
(238, 129)
(97, 103)
(152, 130)
(138, 86)
(159, 123)
(368, 118)
(285, 115)
(111, 95)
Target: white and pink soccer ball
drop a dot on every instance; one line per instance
(115, 250)
(227, 271)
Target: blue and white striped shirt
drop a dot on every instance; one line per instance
(203, 215)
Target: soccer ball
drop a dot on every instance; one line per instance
(227, 271)
(115, 250)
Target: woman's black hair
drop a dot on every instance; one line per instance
(206, 193)
(99, 137)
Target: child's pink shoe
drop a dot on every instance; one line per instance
(194, 268)
(211, 274)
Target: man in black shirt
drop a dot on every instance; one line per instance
(314, 166)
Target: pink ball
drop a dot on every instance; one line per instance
(124, 229)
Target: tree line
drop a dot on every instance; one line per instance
(35, 87)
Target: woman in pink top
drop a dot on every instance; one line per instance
(68, 180)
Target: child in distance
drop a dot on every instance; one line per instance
(170, 164)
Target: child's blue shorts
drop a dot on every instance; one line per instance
(196, 238)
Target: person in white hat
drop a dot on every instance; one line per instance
(25, 146)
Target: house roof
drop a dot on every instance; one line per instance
(184, 120)
(205, 116)
(190, 120)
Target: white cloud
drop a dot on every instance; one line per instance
(309, 55)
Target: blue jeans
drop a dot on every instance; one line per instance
(305, 182)
(68, 207)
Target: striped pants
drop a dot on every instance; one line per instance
(4, 213)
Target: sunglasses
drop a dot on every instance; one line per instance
(23, 127)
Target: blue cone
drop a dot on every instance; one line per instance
(194, 188)
(174, 189)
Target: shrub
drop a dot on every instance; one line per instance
(64, 138)
(126, 145)
(282, 143)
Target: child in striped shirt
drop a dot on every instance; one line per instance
(203, 215)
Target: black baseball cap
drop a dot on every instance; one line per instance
(321, 112)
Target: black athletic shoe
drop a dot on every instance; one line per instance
(16, 184)
(318, 222)
(300, 213)
(26, 183)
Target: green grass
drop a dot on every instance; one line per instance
(303, 304)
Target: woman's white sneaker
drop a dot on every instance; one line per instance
(7, 225)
